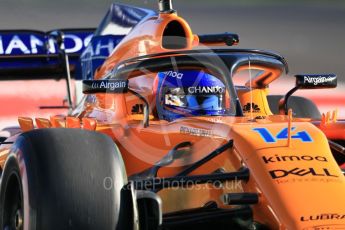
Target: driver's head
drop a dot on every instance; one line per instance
(188, 93)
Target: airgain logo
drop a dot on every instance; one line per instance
(318, 80)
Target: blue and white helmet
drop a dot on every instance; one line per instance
(189, 93)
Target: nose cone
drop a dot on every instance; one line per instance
(302, 183)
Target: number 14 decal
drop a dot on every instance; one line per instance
(283, 134)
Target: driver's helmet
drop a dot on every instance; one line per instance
(188, 93)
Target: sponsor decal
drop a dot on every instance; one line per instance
(96, 52)
(215, 119)
(102, 46)
(105, 86)
(268, 137)
(251, 107)
(109, 85)
(301, 172)
(308, 180)
(206, 90)
(174, 74)
(138, 109)
(277, 158)
(326, 227)
(318, 79)
(324, 216)
(196, 131)
(19, 44)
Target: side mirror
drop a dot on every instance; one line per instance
(308, 81)
(316, 81)
(115, 86)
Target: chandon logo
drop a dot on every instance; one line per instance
(318, 80)
(206, 89)
(277, 158)
(35, 44)
(325, 216)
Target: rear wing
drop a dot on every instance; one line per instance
(29, 54)
(117, 23)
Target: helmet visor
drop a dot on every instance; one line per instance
(195, 98)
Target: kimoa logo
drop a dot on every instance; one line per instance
(277, 158)
(325, 216)
(318, 80)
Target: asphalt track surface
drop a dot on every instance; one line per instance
(310, 34)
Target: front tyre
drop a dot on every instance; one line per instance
(64, 179)
(11, 199)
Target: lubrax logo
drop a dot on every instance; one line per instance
(277, 158)
(35, 44)
(301, 172)
(325, 216)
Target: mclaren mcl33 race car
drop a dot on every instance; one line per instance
(164, 137)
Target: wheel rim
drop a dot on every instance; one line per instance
(13, 204)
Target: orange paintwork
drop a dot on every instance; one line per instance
(57, 122)
(256, 96)
(89, 123)
(267, 75)
(313, 184)
(25, 123)
(43, 123)
(334, 130)
(145, 39)
(73, 122)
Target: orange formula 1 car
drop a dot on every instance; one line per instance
(163, 139)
